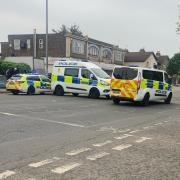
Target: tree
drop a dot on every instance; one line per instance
(74, 30)
(173, 67)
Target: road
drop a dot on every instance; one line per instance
(44, 137)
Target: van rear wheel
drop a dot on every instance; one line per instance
(168, 100)
(145, 101)
(31, 90)
(59, 91)
(116, 100)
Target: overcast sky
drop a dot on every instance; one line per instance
(132, 24)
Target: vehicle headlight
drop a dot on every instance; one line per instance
(104, 83)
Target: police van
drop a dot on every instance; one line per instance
(79, 77)
(139, 84)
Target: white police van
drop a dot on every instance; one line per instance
(79, 77)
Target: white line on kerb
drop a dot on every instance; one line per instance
(6, 174)
(65, 168)
(97, 156)
(142, 139)
(123, 136)
(44, 162)
(121, 147)
(102, 144)
(77, 151)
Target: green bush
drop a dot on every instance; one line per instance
(5, 65)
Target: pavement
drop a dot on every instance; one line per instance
(44, 137)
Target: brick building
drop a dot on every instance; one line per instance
(62, 45)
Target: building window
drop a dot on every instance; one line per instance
(40, 43)
(17, 43)
(78, 46)
(107, 54)
(93, 51)
(119, 56)
(28, 44)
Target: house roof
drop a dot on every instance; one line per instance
(140, 56)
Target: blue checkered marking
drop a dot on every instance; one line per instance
(93, 82)
(30, 82)
(76, 80)
(61, 78)
(161, 85)
(150, 83)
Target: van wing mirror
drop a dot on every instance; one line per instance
(91, 76)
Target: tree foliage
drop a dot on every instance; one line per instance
(5, 65)
(173, 67)
(73, 29)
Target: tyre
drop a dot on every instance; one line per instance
(31, 90)
(107, 96)
(168, 100)
(15, 92)
(145, 101)
(116, 100)
(75, 94)
(94, 93)
(59, 91)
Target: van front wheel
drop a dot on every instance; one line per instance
(168, 100)
(145, 101)
(94, 93)
(59, 91)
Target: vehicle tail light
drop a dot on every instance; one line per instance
(139, 83)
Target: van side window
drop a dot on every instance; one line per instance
(71, 72)
(153, 75)
(85, 73)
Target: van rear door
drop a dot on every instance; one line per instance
(124, 82)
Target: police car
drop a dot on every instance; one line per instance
(139, 84)
(28, 83)
(78, 77)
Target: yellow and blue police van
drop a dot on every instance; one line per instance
(28, 83)
(139, 84)
(79, 77)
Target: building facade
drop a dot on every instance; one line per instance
(62, 45)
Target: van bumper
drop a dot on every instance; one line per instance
(122, 98)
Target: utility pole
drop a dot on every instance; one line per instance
(34, 44)
(47, 37)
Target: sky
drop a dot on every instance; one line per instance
(130, 24)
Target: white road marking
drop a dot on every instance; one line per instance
(77, 151)
(142, 139)
(123, 131)
(107, 129)
(97, 156)
(135, 131)
(123, 136)
(65, 168)
(6, 174)
(102, 144)
(8, 114)
(44, 120)
(158, 124)
(44, 162)
(148, 127)
(166, 121)
(121, 147)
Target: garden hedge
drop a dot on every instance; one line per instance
(5, 65)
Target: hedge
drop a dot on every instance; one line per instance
(5, 65)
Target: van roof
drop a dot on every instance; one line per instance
(142, 68)
(74, 63)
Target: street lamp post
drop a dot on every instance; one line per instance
(47, 37)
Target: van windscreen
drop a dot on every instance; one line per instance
(125, 73)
